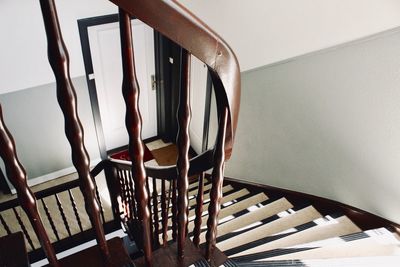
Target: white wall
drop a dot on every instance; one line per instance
(23, 53)
(266, 31)
(326, 124)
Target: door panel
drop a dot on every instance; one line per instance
(105, 50)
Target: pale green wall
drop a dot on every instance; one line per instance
(36, 122)
(328, 124)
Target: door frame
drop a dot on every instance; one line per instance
(165, 99)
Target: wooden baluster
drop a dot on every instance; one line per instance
(217, 181)
(199, 211)
(125, 199)
(23, 228)
(133, 120)
(132, 188)
(174, 211)
(4, 223)
(17, 176)
(183, 144)
(156, 238)
(53, 226)
(113, 185)
(122, 190)
(98, 198)
(126, 193)
(149, 206)
(61, 209)
(66, 95)
(164, 212)
(73, 203)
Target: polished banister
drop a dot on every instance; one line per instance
(173, 20)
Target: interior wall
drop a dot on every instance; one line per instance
(265, 31)
(37, 125)
(23, 50)
(327, 124)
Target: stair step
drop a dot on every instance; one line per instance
(228, 198)
(225, 190)
(194, 191)
(255, 216)
(378, 242)
(328, 228)
(380, 261)
(235, 208)
(296, 218)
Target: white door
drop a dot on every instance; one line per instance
(105, 50)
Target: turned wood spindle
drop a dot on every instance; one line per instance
(183, 143)
(66, 96)
(216, 189)
(133, 121)
(198, 211)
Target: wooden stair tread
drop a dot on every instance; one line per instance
(299, 217)
(235, 208)
(257, 215)
(225, 199)
(342, 226)
(385, 244)
(168, 256)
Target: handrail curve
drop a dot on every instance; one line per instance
(176, 22)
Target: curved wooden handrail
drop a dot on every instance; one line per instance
(198, 164)
(180, 25)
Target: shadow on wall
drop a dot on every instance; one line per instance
(327, 124)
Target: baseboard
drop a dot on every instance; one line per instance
(52, 176)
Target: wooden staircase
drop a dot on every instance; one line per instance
(172, 221)
(256, 229)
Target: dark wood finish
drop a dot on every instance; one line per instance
(200, 41)
(216, 189)
(66, 95)
(174, 212)
(64, 218)
(98, 198)
(76, 239)
(198, 211)
(73, 204)
(13, 251)
(183, 143)
(92, 256)
(23, 228)
(130, 89)
(18, 178)
(167, 256)
(156, 239)
(50, 219)
(164, 213)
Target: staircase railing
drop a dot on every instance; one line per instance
(175, 22)
(178, 24)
